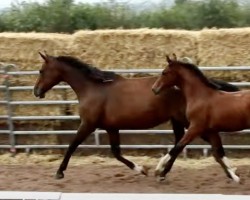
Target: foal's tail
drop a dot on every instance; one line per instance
(225, 86)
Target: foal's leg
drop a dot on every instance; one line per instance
(166, 162)
(114, 139)
(219, 155)
(178, 130)
(83, 132)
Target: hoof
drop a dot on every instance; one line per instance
(158, 173)
(160, 179)
(234, 176)
(160, 176)
(59, 175)
(145, 170)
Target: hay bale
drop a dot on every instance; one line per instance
(109, 49)
(139, 48)
(37, 109)
(23, 47)
(3, 107)
(224, 47)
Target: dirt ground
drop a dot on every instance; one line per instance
(104, 174)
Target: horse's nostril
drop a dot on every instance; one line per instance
(39, 93)
(36, 92)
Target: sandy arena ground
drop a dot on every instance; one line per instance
(104, 174)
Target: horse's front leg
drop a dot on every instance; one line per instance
(166, 162)
(114, 139)
(83, 132)
(178, 129)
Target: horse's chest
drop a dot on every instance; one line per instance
(195, 112)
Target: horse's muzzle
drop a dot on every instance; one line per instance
(156, 90)
(39, 93)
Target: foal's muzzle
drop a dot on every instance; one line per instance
(38, 92)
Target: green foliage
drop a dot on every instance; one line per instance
(66, 16)
(220, 13)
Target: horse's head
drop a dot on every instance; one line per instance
(169, 76)
(49, 75)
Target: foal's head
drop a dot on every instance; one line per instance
(169, 76)
(49, 75)
(176, 72)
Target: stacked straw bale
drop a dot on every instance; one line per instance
(140, 48)
(22, 49)
(109, 49)
(225, 47)
(3, 108)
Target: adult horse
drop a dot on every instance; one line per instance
(209, 111)
(112, 102)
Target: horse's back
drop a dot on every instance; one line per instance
(130, 103)
(230, 111)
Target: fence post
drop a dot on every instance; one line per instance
(12, 138)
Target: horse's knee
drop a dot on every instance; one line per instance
(219, 152)
(115, 149)
(177, 149)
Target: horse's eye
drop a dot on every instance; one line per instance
(40, 71)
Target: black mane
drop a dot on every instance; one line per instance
(88, 70)
(197, 72)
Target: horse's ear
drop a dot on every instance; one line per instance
(168, 59)
(174, 57)
(44, 56)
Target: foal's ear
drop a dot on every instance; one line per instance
(44, 56)
(168, 59)
(174, 57)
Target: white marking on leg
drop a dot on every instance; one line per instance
(230, 169)
(226, 162)
(161, 165)
(138, 168)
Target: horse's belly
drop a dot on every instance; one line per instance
(232, 121)
(134, 121)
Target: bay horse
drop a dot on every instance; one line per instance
(209, 111)
(112, 102)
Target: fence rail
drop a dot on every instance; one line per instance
(12, 133)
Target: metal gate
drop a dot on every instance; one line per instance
(6, 73)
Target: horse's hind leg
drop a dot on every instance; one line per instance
(83, 132)
(114, 139)
(219, 155)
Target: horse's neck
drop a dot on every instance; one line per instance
(194, 88)
(80, 84)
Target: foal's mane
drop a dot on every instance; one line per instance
(87, 70)
(195, 70)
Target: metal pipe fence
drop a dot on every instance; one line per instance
(11, 118)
